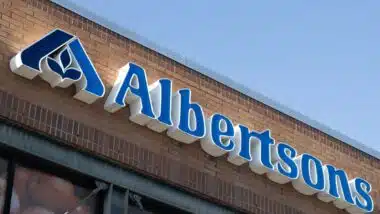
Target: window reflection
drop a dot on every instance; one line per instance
(138, 204)
(41, 193)
(3, 182)
(117, 202)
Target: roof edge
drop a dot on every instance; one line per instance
(212, 74)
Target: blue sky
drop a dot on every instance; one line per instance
(320, 58)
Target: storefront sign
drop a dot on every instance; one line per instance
(60, 59)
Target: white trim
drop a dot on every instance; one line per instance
(222, 79)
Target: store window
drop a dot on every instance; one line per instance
(139, 204)
(133, 203)
(117, 201)
(3, 182)
(29, 185)
(37, 192)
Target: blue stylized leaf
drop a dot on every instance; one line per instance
(55, 66)
(65, 58)
(72, 73)
(32, 55)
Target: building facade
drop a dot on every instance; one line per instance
(77, 149)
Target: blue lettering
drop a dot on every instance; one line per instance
(343, 185)
(217, 133)
(60, 59)
(263, 145)
(312, 172)
(195, 125)
(166, 99)
(286, 153)
(133, 86)
(363, 200)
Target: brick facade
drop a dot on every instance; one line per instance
(53, 112)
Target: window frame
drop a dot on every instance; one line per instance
(17, 139)
(9, 185)
(15, 159)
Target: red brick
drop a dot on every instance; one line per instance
(136, 147)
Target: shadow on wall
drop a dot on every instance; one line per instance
(20, 28)
(17, 32)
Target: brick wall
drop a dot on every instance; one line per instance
(53, 112)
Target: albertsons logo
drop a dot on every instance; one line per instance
(60, 59)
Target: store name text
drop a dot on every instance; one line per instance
(60, 59)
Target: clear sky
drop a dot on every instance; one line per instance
(320, 58)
